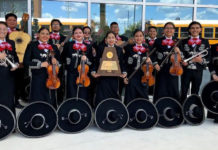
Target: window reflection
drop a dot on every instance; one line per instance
(207, 14)
(69, 13)
(208, 32)
(172, 1)
(208, 2)
(159, 15)
(127, 16)
(17, 7)
(126, 0)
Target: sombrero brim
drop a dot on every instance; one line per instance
(83, 107)
(26, 114)
(101, 111)
(151, 111)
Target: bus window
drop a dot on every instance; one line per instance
(176, 32)
(159, 31)
(216, 33)
(208, 32)
(184, 32)
(46, 26)
(65, 29)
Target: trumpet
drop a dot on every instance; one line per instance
(12, 64)
(202, 53)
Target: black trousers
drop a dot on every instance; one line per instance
(166, 85)
(135, 89)
(7, 88)
(107, 87)
(190, 76)
(72, 88)
(92, 90)
(20, 84)
(39, 91)
(61, 89)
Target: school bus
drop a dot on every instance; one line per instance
(209, 28)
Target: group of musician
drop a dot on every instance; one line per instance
(81, 50)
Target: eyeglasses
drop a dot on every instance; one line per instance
(168, 28)
(55, 25)
(87, 32)
(195, 28)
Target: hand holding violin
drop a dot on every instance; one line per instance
(84, 58)
(54, 61)
(44, 64)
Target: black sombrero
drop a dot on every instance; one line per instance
(7, 122)
(142, 114)
(193, 110)
(209, 96)
(111, 115)
(38, 119)
(170, 112)
(74, 115)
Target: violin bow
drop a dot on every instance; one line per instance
(133, 73)
(165, 59)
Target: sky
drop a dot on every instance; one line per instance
(126, 15)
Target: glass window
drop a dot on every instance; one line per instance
(172, 1)
(176, 32)
(207, 14)
(17, 7)
(69, 13)
(208, 32)
(159, 31)
(128, 17)
(207, 2)
(184, 32)
(65, 29)
(159, 15)
(168, 13)
(125, 0)
(216, 33)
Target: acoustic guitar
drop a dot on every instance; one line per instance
(21, 38)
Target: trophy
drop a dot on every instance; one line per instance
(109, 63)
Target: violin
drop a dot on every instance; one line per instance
(148, 77)
(83, 78)
(53, 82)
(176, 68)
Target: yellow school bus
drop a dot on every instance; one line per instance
(209, 28)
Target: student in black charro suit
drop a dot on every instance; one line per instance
(57, 39)
(193, 69)
(7, 78)
(21, 72)
(108, 87)
(55, 36)
(166, 85)
(134, 55)
(152, 36)
(73, 54)
(37, 58)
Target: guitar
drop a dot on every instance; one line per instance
(21, 38)
(66, 40)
